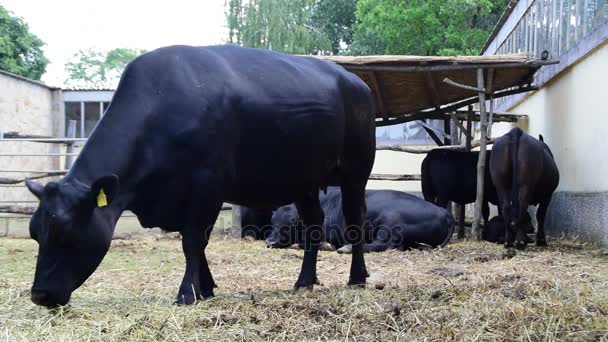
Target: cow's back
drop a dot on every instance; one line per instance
(266, 126)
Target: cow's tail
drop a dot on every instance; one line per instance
(451, 225)
(514, 181)
(426, 181)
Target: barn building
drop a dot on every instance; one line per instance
(569, 109)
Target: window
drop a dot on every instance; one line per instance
(73, 113)
(85, 116)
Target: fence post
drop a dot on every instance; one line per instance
(236, 221)
(69, 159)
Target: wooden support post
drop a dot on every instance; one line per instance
(491, 117)
(69, 159)
(481, 163)
(455, 124)
(236, 221)
(469, 138)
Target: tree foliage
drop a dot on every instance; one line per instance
(20, 50)
(425, 27)
(365, 27)
(98, 69)
(292, 26)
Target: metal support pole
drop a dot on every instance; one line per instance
(69, 159)
(481, 163)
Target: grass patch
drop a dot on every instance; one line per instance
(469, 290)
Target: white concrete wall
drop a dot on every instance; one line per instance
(389, 162)
(571, 112)
(26, 107)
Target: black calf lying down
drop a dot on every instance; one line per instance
(395, 220)
(494, 231)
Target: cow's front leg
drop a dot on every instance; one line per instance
(309, 209)
(197, 282)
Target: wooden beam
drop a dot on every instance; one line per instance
(450, 108)
(18, 135)
(17, 209)
(390, 177)
(462, 86)
(422, 68)
(481, 162)
(459, 125)
(378, 94)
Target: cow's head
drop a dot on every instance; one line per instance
(73, 231)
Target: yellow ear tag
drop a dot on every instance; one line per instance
(102, 200)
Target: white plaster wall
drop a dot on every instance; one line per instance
(571, 112)
(390, 162)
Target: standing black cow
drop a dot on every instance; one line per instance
(452, 176)
(192, 127)
(255, 223)
(394, 220)
(525, 173)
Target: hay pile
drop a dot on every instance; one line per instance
(469, 290)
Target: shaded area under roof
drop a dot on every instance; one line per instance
(404, 85)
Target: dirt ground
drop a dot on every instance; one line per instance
(467, 291)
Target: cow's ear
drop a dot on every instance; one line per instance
(105, 190)
(34, 187)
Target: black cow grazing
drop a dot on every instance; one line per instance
(191, 127)
(494, 231)
(255, 223)
(394, 220)
(524, 172)
(449, 175)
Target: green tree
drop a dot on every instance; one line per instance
(20, 50)
(335, 20)
(98, 69)
(292, 26)
(425, 27)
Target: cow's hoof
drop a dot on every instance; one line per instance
(185, 299)
(346, 249)
(356, 284)
(520, 245)
(326, 246)
(206, 294)
(541, 243)
(298, 288)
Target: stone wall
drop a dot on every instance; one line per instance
(28, 107)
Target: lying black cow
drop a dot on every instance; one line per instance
(449, 175)
(524, 172)
(494, 231)
(395, 220)
(191, 127)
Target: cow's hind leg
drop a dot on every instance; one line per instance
(354, 209)
(541, 240)
(309, 209)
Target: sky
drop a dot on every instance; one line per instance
(67, 26)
